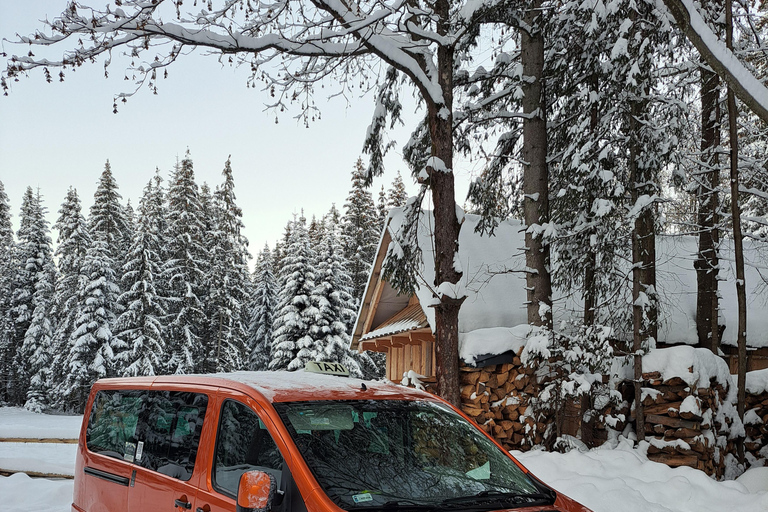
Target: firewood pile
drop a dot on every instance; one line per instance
(496, 397)
(682, 424)
(756, 426)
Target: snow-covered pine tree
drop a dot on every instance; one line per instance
(334, 304)
(91, 355)
(93, 343)
(397, 196)
(295, 314)
(184, 272)
(229, 282)
(72, 244)
(108, 219)
(381, 206)
(262, 312)
(31, 256)
(361, 230)
(6, 286)
(22, 291)
(32, 362)
(139, 326)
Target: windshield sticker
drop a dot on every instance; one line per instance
(130, 450)
(320, 421)
(139, 450)
(362, 498)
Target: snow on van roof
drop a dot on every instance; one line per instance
(285, 386)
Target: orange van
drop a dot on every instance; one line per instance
(290, 442)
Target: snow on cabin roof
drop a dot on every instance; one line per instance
(494, 280)
(492, 272)
(410, 318)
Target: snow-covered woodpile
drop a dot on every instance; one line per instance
(756, 418)
(688, 419)
(496, 397)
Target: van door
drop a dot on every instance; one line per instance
(107, 461)
(166, 451)
(243, 443)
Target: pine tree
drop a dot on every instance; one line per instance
(229, 283)
(361, 231)
(91, 355)
(295, 312)
(31, 255)
(381, 206)
(139, 327)
(262, 312)
(397, 196)
(22, 291)
(108, 219)
(184, 272)
(93, 343)
(72, 244)
(7, 250)
(334, 304)
(33, 357)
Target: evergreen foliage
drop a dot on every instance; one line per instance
(262, 312)
(229, 280)
(139, 326)
(33, 356)
(73, 242)
(295, 314)
(334, 304)
(184, 272)
(360, 230)
(7, 268)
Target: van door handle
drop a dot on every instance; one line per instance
(184, 504)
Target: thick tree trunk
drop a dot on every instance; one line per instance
(642, 181)
(741, 294)
(446, 224)
(535, 170)
(706, 264)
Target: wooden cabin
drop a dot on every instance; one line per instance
(490, 318)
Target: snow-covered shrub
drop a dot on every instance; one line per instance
(571, 369)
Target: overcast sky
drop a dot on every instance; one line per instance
(61, 134)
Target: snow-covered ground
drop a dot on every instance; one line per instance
(605, 479)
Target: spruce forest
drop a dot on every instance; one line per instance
(165, 288)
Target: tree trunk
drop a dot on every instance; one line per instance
(535, 171)
(641, 179)
(590, 262)
(446, 223)
(741, 294)
(706, 264)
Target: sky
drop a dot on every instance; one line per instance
(58, 135)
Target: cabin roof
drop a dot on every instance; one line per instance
(494, 279)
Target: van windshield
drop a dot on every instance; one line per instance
(409, 455)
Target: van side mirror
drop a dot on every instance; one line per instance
(256, 492)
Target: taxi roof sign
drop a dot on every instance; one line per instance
(326, 368)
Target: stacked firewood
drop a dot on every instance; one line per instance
(680, 423)
(496, 397)
(756, 425)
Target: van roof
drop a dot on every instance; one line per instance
(284, 386)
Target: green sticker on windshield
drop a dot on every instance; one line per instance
(361, 498)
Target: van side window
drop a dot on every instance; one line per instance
(171, 432)
(113, 423)
(242, 444)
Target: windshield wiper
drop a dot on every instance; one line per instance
(491, 496)
(395, 505)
